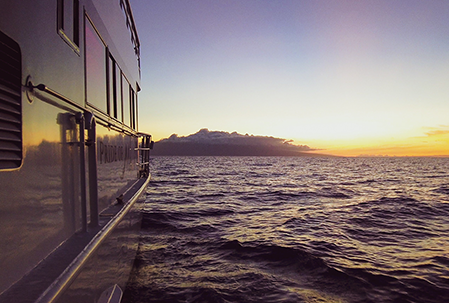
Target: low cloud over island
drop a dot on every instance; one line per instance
(219, 143)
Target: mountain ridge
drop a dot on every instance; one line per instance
(220, 143)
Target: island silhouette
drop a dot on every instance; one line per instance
(220, 143)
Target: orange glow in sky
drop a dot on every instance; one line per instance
(349, 77)
(430, 144)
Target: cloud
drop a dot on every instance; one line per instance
(437, 132)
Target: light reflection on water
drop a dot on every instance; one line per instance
(242, 229)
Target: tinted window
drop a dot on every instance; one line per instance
(112, 97)
(126, 102)
(68, 21)
(133, 109)
(118, 105)
(95, 69)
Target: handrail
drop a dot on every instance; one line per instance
(100, 120)
(46, 89)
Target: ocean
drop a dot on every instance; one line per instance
(294, 229)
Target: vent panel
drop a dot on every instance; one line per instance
(10, 103)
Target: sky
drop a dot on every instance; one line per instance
(349, 77)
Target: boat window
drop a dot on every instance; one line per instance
(118, 89)
(10, 103)
(114, 89)
(95, 68)
(126, 102)
(68, 22)
(133, 109)
(136, 106)
(111, 88)
(126, 8)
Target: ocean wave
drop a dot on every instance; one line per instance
(174, 222)
(313, 270)
(332, 193)
(442, 260)
(441, 175)
(367, 181)
(276, 255)
(411, 208)
(211, 196)
(286, 195)
(442, 189)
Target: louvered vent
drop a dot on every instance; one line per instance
(10, 103)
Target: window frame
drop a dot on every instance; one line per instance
(88, 20)
(126, 106)
(120, 96)
(71, 37)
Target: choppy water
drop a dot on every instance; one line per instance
(244, 229)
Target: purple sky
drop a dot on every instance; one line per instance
(324, 73)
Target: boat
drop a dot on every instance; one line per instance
(73, 163)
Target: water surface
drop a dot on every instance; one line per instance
(280, 229)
